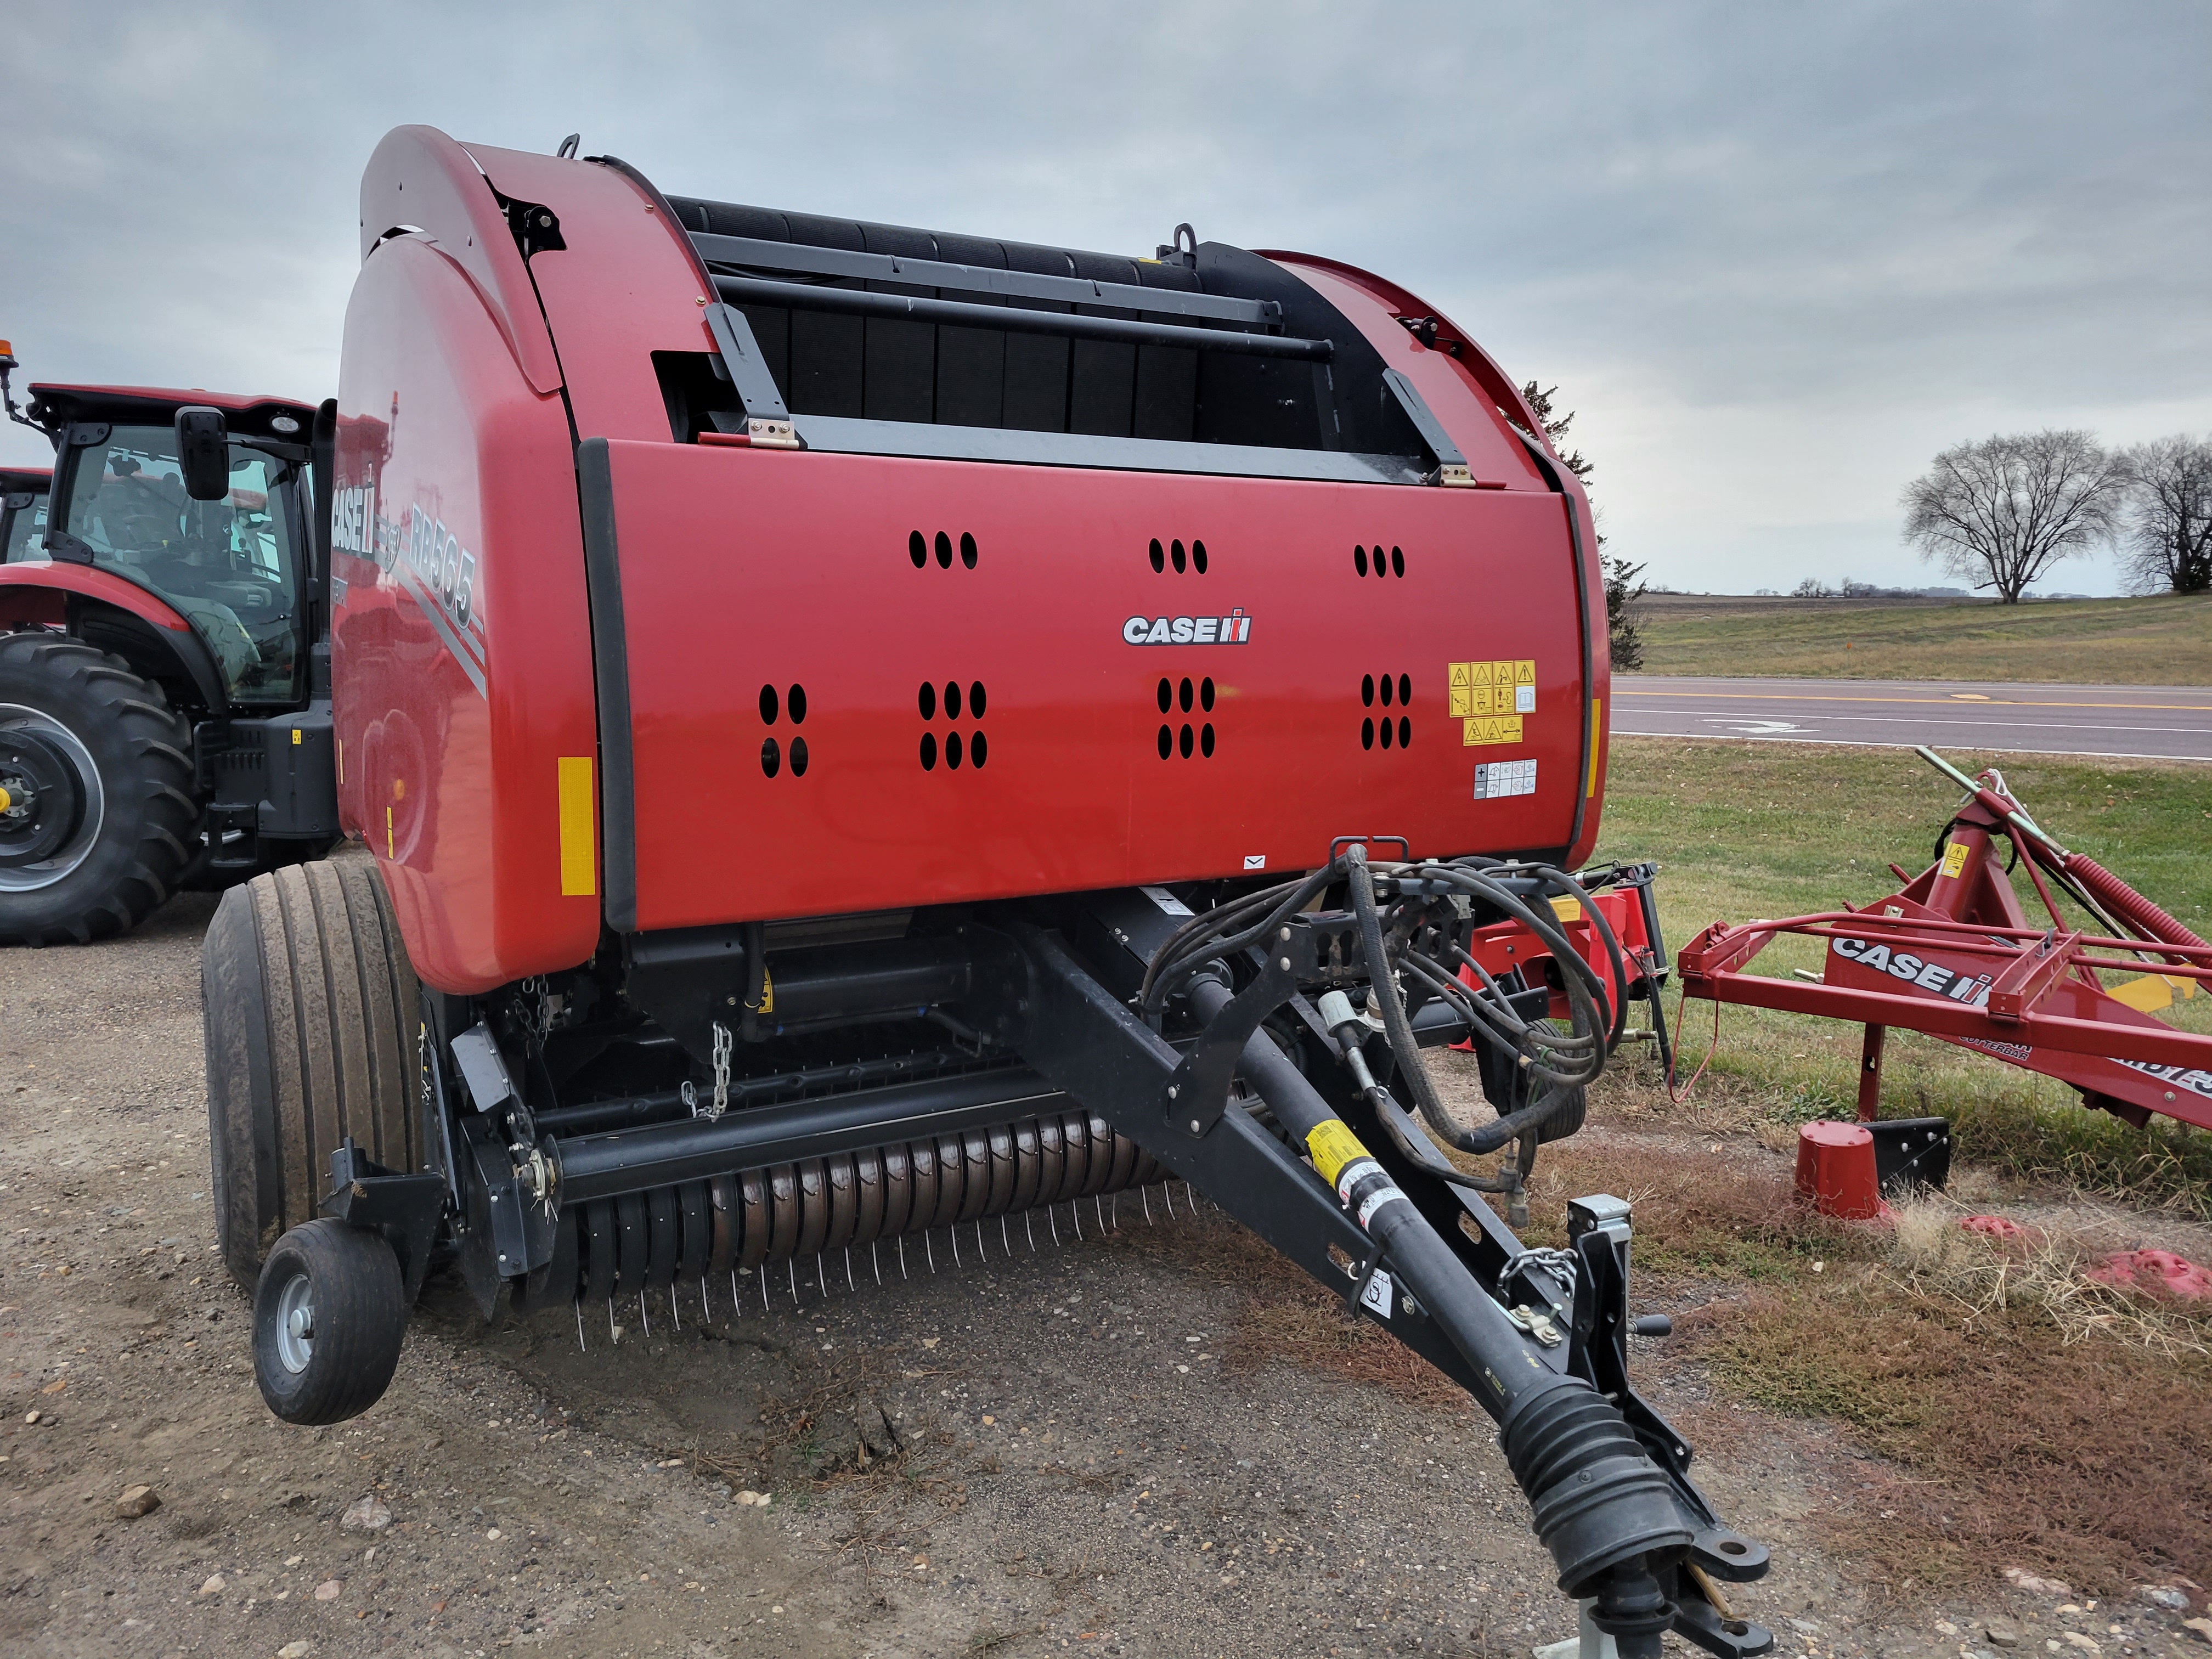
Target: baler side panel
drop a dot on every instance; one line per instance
(461, 648)
(623, 287)
(744, 569)
(1475, 414)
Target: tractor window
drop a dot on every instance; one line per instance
(27, 528)
(229, 567)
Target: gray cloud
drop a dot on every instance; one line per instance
(1777, 256)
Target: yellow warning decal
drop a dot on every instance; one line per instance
(296, 737)
(1954, 857)
(1479, 689)
(768, 992)
(579, 862)
(1567, 909)
(1332, 1146)
(1496, 728)
(1597, 737)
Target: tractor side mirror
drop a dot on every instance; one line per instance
(204, 453)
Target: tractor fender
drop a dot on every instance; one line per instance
(43, 592)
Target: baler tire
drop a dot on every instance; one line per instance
(311, 1019)
(1566, 1117)
(347, 1279)
(139, 749)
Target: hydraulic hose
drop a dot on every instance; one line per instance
(1601, 1507)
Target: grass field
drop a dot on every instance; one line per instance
(2155, 641)
(1744, 830)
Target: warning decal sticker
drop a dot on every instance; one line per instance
(1479, 689)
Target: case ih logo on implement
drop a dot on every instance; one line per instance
(1972, 989)
(1234, 629)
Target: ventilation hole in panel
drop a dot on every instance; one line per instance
(796, 702)
(1167, 739)
(967, 550)
(1385, 734)
(1198, 557)
(952, 699)
(1405, 732)
(1389, 689)
(917, 550)
(1175, 556)
(952, 750)
(1159, 555)
(1405, 691)
(929, 752)
(1183, 695)
(1183, 741)
(1205, 695)
(771, 756)
(927, 700)
(1205, 740)
(1367, 690)
(975, 701)
(944, 551)
(798, 757)
(979, 749)
(1397, 561)
(1358, 556)
(1367, 733)
(768, 705)
(1167, 696)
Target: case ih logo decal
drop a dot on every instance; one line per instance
(1234, 629)
(426, 559)
(1927, 975)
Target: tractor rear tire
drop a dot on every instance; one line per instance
(114, 755)
(312, 1015)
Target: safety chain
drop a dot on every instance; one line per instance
(1563, 1264)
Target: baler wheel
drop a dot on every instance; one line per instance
(1566, 1117)
(330, 1312)
(311, 1013)
(100, 819)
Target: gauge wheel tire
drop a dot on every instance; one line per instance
(122, 760)
(311, 1019)
(330, 1314)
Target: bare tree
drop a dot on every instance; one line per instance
(2000, 514)
(2168, 547)
(1623, 586)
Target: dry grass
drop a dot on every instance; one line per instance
(2032, 1416)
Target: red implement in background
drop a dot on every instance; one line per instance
(1955, 954)
(1622, 892)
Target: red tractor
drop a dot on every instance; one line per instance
(164, 679)
(868, 734)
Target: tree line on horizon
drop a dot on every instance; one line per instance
(2000, 514)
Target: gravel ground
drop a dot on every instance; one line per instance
(1065, 1457)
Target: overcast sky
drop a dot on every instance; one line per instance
(1777, 256)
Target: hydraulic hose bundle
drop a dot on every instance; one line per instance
(1411, 943)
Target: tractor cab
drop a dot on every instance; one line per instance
(231, 561)
(164, 682)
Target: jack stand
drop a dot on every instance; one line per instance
(1591, 1643)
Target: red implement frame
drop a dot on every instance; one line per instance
(1955, 956)
(1623, 893)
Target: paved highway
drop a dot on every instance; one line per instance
(2150, 722)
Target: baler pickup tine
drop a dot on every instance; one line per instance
(929, 1250)
(1075, 1215)
(953, 1233)
(877, 1263)
(902, 1249)
(644, 1320)
(1052, 1221)
(675, 1312)
(1028, 1223)
(1167, 1192)
(791, 1272)
(581, 1347)
(851, 1283)
(1145, 1198)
